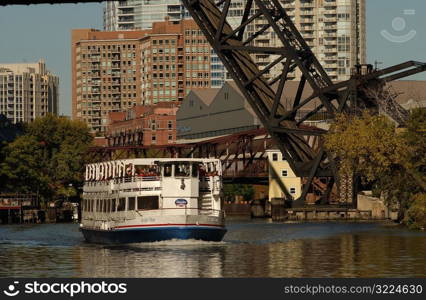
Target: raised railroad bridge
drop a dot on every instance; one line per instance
(243, 154)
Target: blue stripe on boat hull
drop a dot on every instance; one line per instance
(138, 235)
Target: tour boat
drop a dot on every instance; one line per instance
(148, 200)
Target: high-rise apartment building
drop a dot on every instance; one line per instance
(27, 91)
(115, 70)
(334, 29)
(105, 74)
(141, 14)
(175, 59)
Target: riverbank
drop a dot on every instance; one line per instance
(53, 213)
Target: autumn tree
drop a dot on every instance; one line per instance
(244, 190)
(371, 148)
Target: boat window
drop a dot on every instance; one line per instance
(121, 204)
(147, 202)
(113, 206)
(211, 170)
(131, 203)
(129, 170)
(194, 171)
(182, 169)
(167, 170)
(146, 170)
(203, 171)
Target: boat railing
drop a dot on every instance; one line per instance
(121, 216)
(136, 179)
(122, 180)
(186, 210)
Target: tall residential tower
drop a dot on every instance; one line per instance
(115, 70)
(27, 91)
(335, 29)
(141, 14)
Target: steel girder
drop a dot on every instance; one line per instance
(243, 155)
(28, 2)
(234, 48)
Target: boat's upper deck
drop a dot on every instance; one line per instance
(143, 174)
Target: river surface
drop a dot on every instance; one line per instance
(256, 248)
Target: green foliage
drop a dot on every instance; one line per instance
(371, 147)
(415, 216)
(232, 190)
(367, 145)
(415, 143)
(48, 159)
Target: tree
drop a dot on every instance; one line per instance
(48, 159)
(21, 170)
(371, 148)
(415, 216)
(244, 190)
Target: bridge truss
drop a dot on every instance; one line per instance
(234, 48)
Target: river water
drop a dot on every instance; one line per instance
(251, 248)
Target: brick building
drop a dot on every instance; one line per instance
(143, 125)
(175, 58)
(113, 71)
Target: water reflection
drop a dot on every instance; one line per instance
(171, 259)
(250, 249)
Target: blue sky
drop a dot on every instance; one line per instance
(28, 33)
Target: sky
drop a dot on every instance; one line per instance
(396, 32)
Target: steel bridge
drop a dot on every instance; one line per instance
(234, 48)
(243, 155)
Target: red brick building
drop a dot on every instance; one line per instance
(113, 71)
(143, 125)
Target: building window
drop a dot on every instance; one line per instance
(170, 125)
(284, 173)
(153, 138)
(153, 125)
(292, 190)
(170, 137)
(275, 157)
